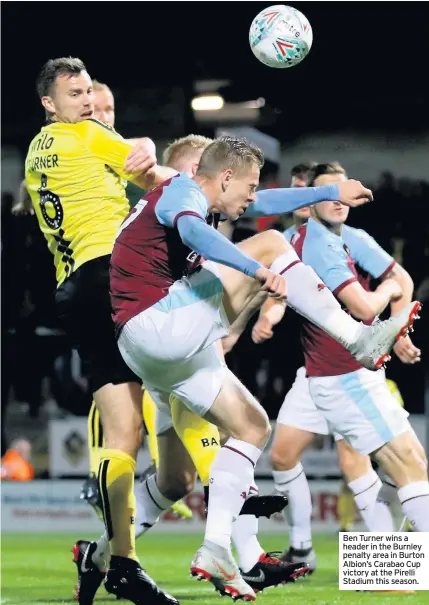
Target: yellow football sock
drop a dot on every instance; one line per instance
(200, 438)
(95, 439)
(116, 482)
(149, 419)
(346, 508)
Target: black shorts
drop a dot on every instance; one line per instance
(84, 309)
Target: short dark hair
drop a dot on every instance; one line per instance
(54, 68)
(303, 169)
(326, 168)
(225, 152)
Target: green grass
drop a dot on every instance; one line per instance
(37, 569)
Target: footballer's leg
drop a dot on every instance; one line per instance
(90, 491)
(84, 305)
(237, 413)
(200, 438)
(149, 416)
(290, 480)
(174, 479)
(298, 422)
(404, 460)
(360, 407)
(364, 484)
(346, 508)
(123, 431)
(306, 294)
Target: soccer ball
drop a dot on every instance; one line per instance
(280, 36)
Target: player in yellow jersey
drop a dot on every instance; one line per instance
(104, 111)
(75, 172)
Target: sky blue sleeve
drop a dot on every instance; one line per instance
(178, 199)
(366, 252)
(329, 260)
(272, 202)
(212, 245)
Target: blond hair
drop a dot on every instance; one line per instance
(97, 86)
(234, 153)
(180, 150)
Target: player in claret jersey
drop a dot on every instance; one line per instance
(170, 310)
(341, 397)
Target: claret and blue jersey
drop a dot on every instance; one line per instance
(339, 261)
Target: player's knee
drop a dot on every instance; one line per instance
(257, 432)
(125, 435)
(352, 464)
(274, 242)
(284, 459)
(262, 428)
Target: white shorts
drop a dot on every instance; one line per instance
(360, 407)
(298, 409)
(172, 345)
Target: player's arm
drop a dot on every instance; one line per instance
(155, 176)
(188, 217)
(212, 245)
(141, 160)
(405, 350)
(366, 305)
(273, 202)
(381, 265)
(271, 313)
(328, 257)
(378, 263)
(113, 150)
(186, 211)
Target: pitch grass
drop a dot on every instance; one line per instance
(37, 570)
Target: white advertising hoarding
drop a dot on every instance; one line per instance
(68, 451)
(54, 506)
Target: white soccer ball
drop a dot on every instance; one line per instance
(280, 36)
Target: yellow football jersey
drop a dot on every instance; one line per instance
(75, 176)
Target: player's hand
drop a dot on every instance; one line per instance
(406, 351)
(21, 209)
(262, 330)
(273, 283)
(142, 156)
(353, 193)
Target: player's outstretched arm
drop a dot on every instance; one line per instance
(154, 177)
(212, 245)
(141, 160)
(272, 202)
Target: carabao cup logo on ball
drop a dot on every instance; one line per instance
(280, 36)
